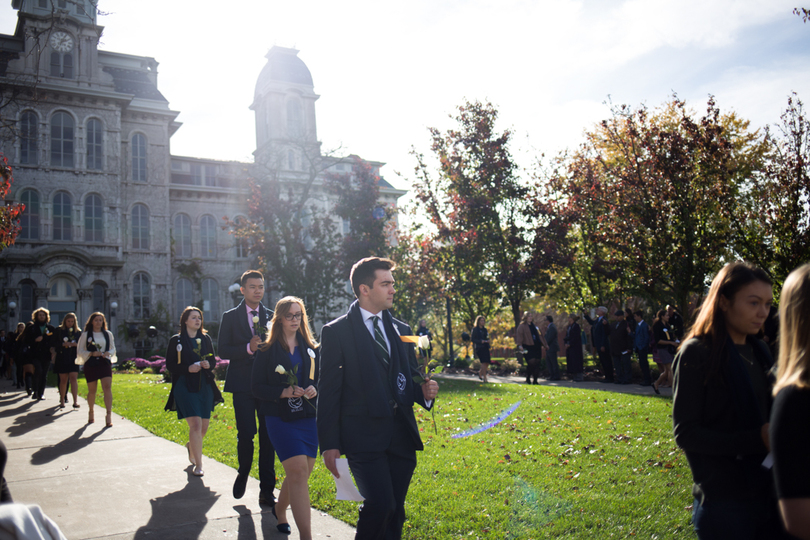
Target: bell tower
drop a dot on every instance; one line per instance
(284, 103)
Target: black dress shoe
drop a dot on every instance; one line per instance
(239, 486)
(282, 527)
(264, 500)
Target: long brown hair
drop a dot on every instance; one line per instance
(276, 332)
(710, 324)
(88, 327)
(186, 314)
(75, 322)
(794, 339)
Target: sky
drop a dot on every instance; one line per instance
(386, 71)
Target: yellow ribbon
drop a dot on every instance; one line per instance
(410, 339)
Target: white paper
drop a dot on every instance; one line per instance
(768, 461)
(345, 490)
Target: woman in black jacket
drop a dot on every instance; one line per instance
(721, 406)
(573, 350)
(480, 337)
(66, 343)
(284, 377)
(190, 359)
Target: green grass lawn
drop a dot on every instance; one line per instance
(567, 463)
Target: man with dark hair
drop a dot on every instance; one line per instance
(553, 349)
(620, 348)
(240, 334)
(675, 321)
(366, 397)
(641, 342)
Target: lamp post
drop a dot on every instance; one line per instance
(11, 307)
(113, 307)
(234, 290)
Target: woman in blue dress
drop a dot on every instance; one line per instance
(190, 359)
(284, 376)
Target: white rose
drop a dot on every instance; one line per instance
(255, 319)
(424, 342)
(280, 369)
(199, 342)
(311, 353)
(64, 339)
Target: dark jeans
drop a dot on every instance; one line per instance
(40, 376)
(754, 519)
(553, 366)
(607, 364)
(623, 369)
(245, 409)
(383, 479)
(644, 365)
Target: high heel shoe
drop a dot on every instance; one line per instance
(109, 420)
(198, 472)
(655, 388)
(282, 527)
(90, 418)
(190, 458)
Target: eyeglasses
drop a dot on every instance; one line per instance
(294, 316)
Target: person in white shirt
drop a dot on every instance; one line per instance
(96, 350)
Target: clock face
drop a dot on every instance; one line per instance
(61, 42)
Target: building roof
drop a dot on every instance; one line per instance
(135, 82)
(283, 65)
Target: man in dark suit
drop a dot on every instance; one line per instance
(553, 350)
(621, 347)
(366, 398)
(240, 334)
(601, 332)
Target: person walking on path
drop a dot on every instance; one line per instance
(790, 417)
(367, 392)
(553, 349)
(240, 333)
(14, 346)
(96, 350)
(641, 343)
(66, 343)
(480, 337)
(621, 347)
(285, 377)
(665, 343)
(600, 332)
(526, 344)
(190, 359)
(574, 361)
(39, 340)
(721, 406)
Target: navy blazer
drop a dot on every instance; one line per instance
(267, 385)
(601, 332)
(355, 410)
(234, 335)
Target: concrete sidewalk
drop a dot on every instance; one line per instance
(123, 482)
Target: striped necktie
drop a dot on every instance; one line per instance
(379, 339)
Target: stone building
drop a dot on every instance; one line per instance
(113, 221)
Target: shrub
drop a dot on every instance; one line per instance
(461, 363)
(510, 365)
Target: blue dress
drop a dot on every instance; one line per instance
(296, 438)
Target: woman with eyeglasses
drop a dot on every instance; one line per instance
(190, 359)
(284, 376)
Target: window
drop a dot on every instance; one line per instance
(94, 145)
(29, 221)
(210, 175)
(26, 301)
(61, 299)
(184, 295)
(43, 3)
(208, 237)
(138, 158)
(99, 298)
(93, 219)
(182, 236)
(62, 140)
(62, 221)
(210, 294)
(291, 160)
(240, 241)
(29, 138)
(196, 174)
(141, 293)
(295, 121)
(140, 227)
(62, 65)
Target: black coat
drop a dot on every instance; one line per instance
(355, 411)
(178, 363)
(234, 335)
(39, 351)
(267, 385)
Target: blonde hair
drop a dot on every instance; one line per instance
(276, 332)
(75, 322)
(794, 339)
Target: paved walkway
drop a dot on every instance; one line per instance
(123, 482)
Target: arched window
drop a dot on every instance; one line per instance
(93, 219)
(295, 120)
(62, 221)
(140, 227)
(62, 65)
(29, 138)
(141, 294)
(138, 158)
(94, 144)
(210, 294)
(208, 237)
(26, 301)
(99, 298)
(61, 299)
(182, 236)
(29, 221)
(62, 140)
(184, 295)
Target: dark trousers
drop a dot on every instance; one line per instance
(551, 361)
(18, 368)
(40, 376)
(729, 519)
(245, 409)
(607, 364)
(383, 479)
(644, 365)
(623, 369)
